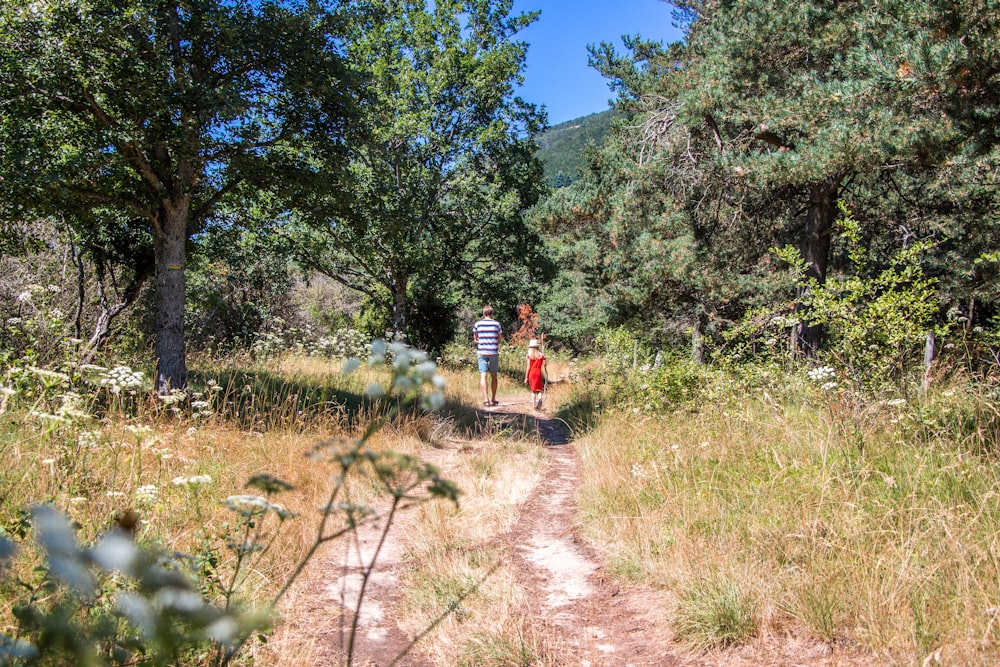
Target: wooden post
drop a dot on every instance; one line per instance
(928, 361)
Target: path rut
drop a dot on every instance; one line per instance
(585, 619)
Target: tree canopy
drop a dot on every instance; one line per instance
(142, 116)
(441, 159)
(744, 137)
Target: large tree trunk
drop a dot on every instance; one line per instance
(169, 237)
(816, 249)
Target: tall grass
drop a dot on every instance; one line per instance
(159, 469)
(874, 524)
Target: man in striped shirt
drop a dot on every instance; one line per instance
(487, 334)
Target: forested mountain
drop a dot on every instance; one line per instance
(563, 146)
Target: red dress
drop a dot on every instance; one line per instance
(535, 373)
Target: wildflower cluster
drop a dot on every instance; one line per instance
(122, 378)
(344, 344)
(147, 494)
(49, 378)
(192, 481)
(88, 439)
(72, 406)
(173, 400)
(248, 506)
(825, 375)
(306, 341)
(201, 408)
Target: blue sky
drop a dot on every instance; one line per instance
(557, 74)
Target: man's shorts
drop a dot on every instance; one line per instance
(489, 363)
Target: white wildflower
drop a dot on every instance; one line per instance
(192, 481)
(255, 506)
(49, 375)
(147, 493)
(141, 432)
(49, 417)
(122, 377)
(72, 406)
(822, 374)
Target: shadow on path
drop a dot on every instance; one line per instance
(506, 418)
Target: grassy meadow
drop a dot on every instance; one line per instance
(783, 507)
(763, 503)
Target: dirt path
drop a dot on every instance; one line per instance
(585, 619)
(589, 621)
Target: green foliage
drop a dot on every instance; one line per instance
(133, 122)
(562, 148)
(877, 324)
(743, 137)
(237, 285)
(440, 164)
(637, 378)
(36, 329)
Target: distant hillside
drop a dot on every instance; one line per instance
(561, 146)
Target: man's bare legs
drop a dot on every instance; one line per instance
(486, 387)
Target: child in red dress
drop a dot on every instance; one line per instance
(533, 373)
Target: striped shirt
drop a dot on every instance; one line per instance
(488, 334)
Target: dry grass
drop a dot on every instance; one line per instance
(121, 469)
(855, 524)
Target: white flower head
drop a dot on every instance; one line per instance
(822, 374)
(192, 481)
(146, 493)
